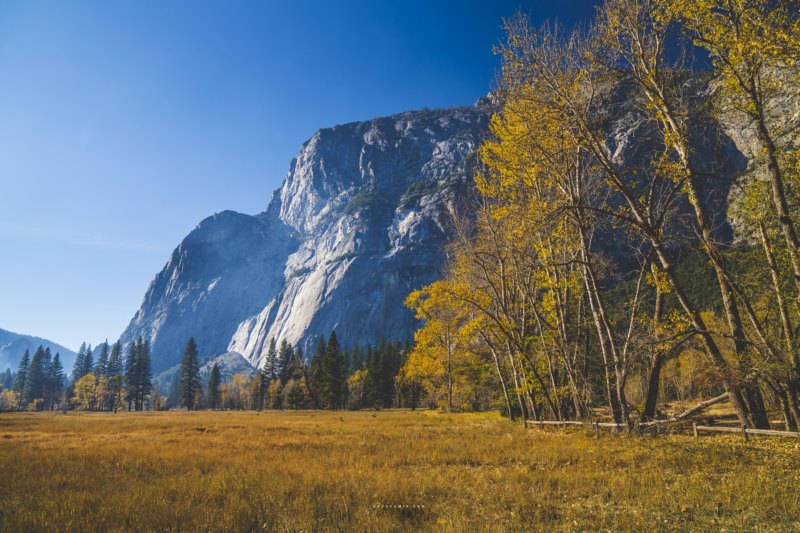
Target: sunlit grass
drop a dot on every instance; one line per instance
(324, 470)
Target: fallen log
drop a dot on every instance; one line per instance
(689, 412)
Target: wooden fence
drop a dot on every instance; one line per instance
(745, 432)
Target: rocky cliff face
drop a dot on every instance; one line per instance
(360, 221)
(224, 271)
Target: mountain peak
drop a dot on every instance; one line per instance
(360, 221)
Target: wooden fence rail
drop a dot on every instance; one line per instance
(745, 432)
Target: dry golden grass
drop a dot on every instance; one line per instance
(242, 471)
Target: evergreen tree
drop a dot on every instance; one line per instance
(101, 366)
(48, 383)
(114, 371)
(56, 380)
(34, 378)
(372, 379)
(214, 383)
(78, 365)
(335, 372)
(285, 357)
(257, 390)
(328, 373)
(272, 364)
(356, 361)
(144, 375)
(190, 375)
(88, 362)
(267, 374)
(7, 380)
(316, 374)
(268, 368)
(295, 396)
(115, 360)
(131, 382)
(22, 372)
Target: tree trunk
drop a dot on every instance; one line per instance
(515, 376)
(595, 305)
(756, 402)
(788, 416)
(794, 404)
(786, 323)
(500, 376)
(657, 357)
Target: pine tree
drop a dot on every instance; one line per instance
(190, 375)
(329, 373)
(372, 378)
(115, 377)
(271, 362)
(285, 357)
(295, 396)
(268, 368)
(48, 383)
(22, 372)
(7, 380)
(144, 375)
(131, 378)
(316, 382)
(214, 383)
(34, 378)
(88, 362)
(356, 360)
(267, 374)
(101, 366)
(78, 365)
(336, 373)
(56, 380)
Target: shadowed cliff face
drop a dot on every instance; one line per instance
(360, 221)
(225, 270)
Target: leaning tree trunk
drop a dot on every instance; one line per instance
(499, 375)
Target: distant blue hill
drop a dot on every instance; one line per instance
(13, 346)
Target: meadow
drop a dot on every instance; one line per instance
(384, 470)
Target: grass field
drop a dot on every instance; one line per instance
(388, 470)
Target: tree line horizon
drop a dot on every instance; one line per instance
(331, 378)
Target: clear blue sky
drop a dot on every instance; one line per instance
(125, 123)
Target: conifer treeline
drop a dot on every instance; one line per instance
(38, 382)
(362, 377)
(110, 383)
(333, 378)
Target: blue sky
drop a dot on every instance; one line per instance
(125, 123)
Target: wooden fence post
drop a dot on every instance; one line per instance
(744, 432)
(694, 429)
